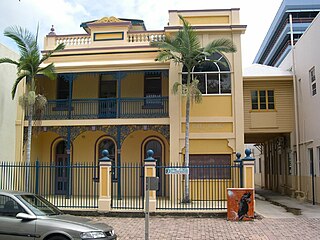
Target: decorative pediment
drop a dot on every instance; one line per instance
(108, 20)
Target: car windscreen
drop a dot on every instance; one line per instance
(38, 205)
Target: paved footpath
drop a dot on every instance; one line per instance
(174, 228)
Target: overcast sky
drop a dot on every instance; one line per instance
(67, 15)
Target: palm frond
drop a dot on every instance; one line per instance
(58, 48)
(22, 37)
(176, 87)
(49, 71)
(220, 45)
(8, 60)
(15, 85)
(195, 92)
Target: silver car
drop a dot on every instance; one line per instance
(29, 216)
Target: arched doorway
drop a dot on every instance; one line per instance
(61, 173)
(158, 148)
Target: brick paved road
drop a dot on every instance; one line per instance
(174, 228)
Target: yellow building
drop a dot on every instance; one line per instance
(111, 94)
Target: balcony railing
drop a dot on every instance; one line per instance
(74, 41)
(149, 107)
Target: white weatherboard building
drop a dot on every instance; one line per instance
(307, 69)
(8, 106)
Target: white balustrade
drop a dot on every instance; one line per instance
(78, 41)
(74, 41)
(143, 37)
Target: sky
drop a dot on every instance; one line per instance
(67, 15)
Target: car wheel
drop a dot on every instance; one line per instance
(58, 238)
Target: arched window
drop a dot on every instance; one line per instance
(155, 145)
(213, 75)
(109, 145)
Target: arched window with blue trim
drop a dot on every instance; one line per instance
(213, 74)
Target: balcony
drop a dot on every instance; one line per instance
(85, 41)
(102, 108)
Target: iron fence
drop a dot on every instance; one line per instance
(207, 187)
(127, 189)
(71, 186)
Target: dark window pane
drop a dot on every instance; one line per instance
(314, 89)
(109, 145)
(254, 99)
(270, 93)
(184, 78)
(152, 85)
(206, 66)
(270, 99)
(225, 81)
(221, 61)
(9, 207)
(270, 106)
(213, 83)
(202, 84)
(62, 87)
(263, 99)
(108, 89)
(255, 106)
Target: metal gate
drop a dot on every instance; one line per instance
(207, 186)
(127, 189)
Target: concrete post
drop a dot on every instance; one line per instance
(248, 169)
(150, 171)
(105, 164)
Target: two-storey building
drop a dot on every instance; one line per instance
(110, 93)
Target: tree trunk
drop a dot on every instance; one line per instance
(186, 198)
(28, 147)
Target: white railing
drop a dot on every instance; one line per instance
(84, 40)
(142, 37)
(75, 40)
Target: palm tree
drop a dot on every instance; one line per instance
(28, 67)
(184, 48)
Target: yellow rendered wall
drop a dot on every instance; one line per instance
(165, 86)
(47, 87)
(86, 86)
(108, 36)
(132, 146)
(133, 85)
(279, 120)
(209, 146)
(211, 106)
(41, 146)
(84, 147)
(200, 20)
(206, 127)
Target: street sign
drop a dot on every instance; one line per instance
(183, 170)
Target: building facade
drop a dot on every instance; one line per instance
(8, 107)
(307, 164)
(276, 43)
(111, 94)
(269, 124)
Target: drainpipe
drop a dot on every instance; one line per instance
(296, 117)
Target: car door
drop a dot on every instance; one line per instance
(12, 228)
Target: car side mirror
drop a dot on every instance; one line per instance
(25, 216)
